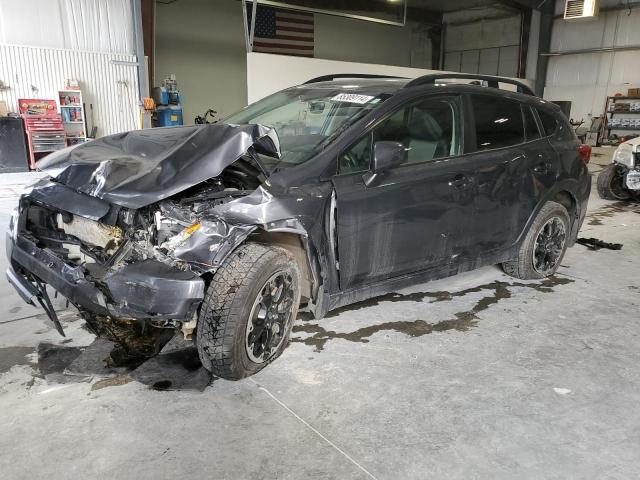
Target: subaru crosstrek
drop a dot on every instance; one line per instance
(318, 196)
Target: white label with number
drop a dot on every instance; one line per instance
(352, 98)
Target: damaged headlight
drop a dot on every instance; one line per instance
(181, 237)
(625, 155)
(13, 223)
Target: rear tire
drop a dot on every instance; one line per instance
(254, 296)
(544, 246)
(611, 183)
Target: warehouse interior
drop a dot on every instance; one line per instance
(469, 375)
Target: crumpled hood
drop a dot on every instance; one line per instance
(137, 168)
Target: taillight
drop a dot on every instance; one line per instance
(585, 153)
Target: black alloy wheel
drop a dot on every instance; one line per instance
(270, 317)
(549, 246)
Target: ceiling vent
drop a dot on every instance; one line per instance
(576, 9)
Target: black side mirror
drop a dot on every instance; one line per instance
(386, 155)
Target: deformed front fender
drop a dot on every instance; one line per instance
(211, 243)
(297, 211)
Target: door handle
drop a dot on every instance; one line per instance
(459, 182)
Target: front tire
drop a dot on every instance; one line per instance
(248, 311)
(544, 246)
(611, 183)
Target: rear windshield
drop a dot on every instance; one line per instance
(307, 119)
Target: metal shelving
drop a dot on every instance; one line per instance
(73, 115)
(611, 112)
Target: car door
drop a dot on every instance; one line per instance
(502, 157)
(412, 217)
(542, 166)
(546, 167)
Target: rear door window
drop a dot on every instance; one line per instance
(498, 122)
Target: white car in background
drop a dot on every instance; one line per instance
(620, 180)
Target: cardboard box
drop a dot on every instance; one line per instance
(633, 92)
(4, 110)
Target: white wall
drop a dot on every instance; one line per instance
(586, 79)
(486, 45)
(202, 42)
(96, 25)
(267, 73)
(345, 39)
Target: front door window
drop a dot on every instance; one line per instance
(429, 128)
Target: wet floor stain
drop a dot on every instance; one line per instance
(12, 356)
(596, 217)
(462, 321)
(161, 385)
(178, 369)
(56, 358)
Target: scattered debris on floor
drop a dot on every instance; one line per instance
(111, 382)
(562, 391)
(596, 244)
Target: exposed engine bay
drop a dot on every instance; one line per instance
(136, 243)
(127, 235)
(128, 262)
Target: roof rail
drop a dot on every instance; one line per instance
(492, 80)
(334, 76)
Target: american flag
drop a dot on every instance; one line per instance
(286, 32)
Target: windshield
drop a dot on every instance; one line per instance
(306, 119)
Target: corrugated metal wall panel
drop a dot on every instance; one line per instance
(92, 26)
(485, 46)
(35, 72)
(586, 79)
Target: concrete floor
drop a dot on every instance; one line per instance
(475, 376)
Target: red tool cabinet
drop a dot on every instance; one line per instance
(43, 127)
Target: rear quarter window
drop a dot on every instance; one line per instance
(530, 126)
(549, 122)
(498, 122)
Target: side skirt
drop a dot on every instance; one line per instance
(359, 294)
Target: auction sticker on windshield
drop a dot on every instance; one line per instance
(351, 98)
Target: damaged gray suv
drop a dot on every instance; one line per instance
(319, 196)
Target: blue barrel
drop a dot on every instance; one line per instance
(168, 116)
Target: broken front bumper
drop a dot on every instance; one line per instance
(143, 290)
